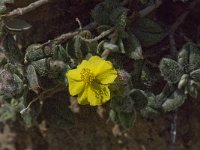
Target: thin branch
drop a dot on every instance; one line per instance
(173, 49)
(64, 37)
(79, 23)
(144, 12)
(102, 35)
(182, 17)
(149, 9)
(24, 10)
(114, 38)
(44, 95)
(174, 27)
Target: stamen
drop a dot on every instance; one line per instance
(87, 76)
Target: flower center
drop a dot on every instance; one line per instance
(87, 76)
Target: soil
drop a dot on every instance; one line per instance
(92, 132)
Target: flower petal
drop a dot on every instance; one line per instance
(75, 87)
(98, 94)
(82, 97)
(74, 74)
(107, 77)
(84, 64)
(103, 70)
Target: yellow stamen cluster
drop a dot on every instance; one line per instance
(87, 76)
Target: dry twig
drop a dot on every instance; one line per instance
(175, 26)
(182, 18)
(102, 35)
(24, 10)
(44, 95)
(149, 9)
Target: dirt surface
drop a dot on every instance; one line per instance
(91, 132)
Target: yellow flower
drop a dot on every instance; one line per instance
(90, 81)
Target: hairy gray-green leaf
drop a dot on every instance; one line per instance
(3, 59)
(7, 112)
(133, 47)
(139, 98)
(175, 100)
(57, 69)
(127, 119)
(77, 47)
(11, 49)
(183, 81)
(114, 116)
(148, 32)
(170, 70)
(150, 112)
(2, 5)
(120, 103)
(32, 78)
(111, 47)
(41, 66)
(195, 75)
(192, 91)
(101, 14)
(17, 25)
(60, 53)
(189, 57)
(118, 18)
(34, 52)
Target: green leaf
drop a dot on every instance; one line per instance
(195, 75)
(41, 66)
(120, 103)
(57, 113)
(2, 5)
(19, 85)
(32, 78)
(114, 116)
(170, 70)
(102, 28)
(175, 100)
(11, 49)
(34, 52)
(60, 53)
(139, 98)
(7, 112)
(148, 32)
(77, 47)
(133, 47)
(150, 112)
(101, 14)
(17, 25)
(151, 109)
(127, 119)
(183, 81)
(57, 69)
(189, 57)
(111, 47)
(192, 91)
(2, 8)
(3, 59)
(118, 18)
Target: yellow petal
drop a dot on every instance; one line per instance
(82, 97)
(84, 64)
(74, 74)
(107, 77)
(100, 65)
(75, 87)
(98, 94)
